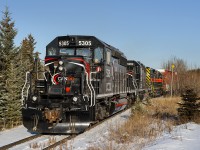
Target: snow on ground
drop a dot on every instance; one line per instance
(82, 141)
(184, 137)
(20, 132)
(98, 135)
(13, 135)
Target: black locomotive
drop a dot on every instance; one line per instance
(85, 80)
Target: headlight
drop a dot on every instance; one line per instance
(60, 68)
(75, 99)
(60, 62)
(34, 98)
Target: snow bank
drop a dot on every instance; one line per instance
(184, 137)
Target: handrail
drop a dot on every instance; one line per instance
(25, 84)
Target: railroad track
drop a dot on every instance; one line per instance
(38, 142)
(57, 143)
(74, 135)
(20, 142)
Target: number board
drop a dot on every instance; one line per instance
(63, 43)
(84, 43)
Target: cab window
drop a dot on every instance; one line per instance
(67, 51)
(84, 52)
(51, 51)
(137, 69)
(98, 55)
(108, 56)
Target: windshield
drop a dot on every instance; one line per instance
(83, 52)
(67, 51)
(79, 52)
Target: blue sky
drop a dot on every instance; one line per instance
(150, 31)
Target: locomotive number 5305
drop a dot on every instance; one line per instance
(84, 43)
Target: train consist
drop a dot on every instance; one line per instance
(84, 80)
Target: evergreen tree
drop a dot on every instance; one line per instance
(14, 63)
(8, 51)
(7, 35)
(26, 51)
(189, 109)
(13, 86)
(28, 57)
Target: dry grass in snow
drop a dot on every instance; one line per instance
(147, 122)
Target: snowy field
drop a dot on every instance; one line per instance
(183, 137)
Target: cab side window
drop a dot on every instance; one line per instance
(137, 69)
(51, 51)
(108, 56)
(98, 55)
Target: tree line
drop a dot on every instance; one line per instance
(15, 61)
(185, 77)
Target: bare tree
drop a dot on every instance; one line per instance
(185, 76)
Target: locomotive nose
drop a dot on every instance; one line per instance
(69, 76)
